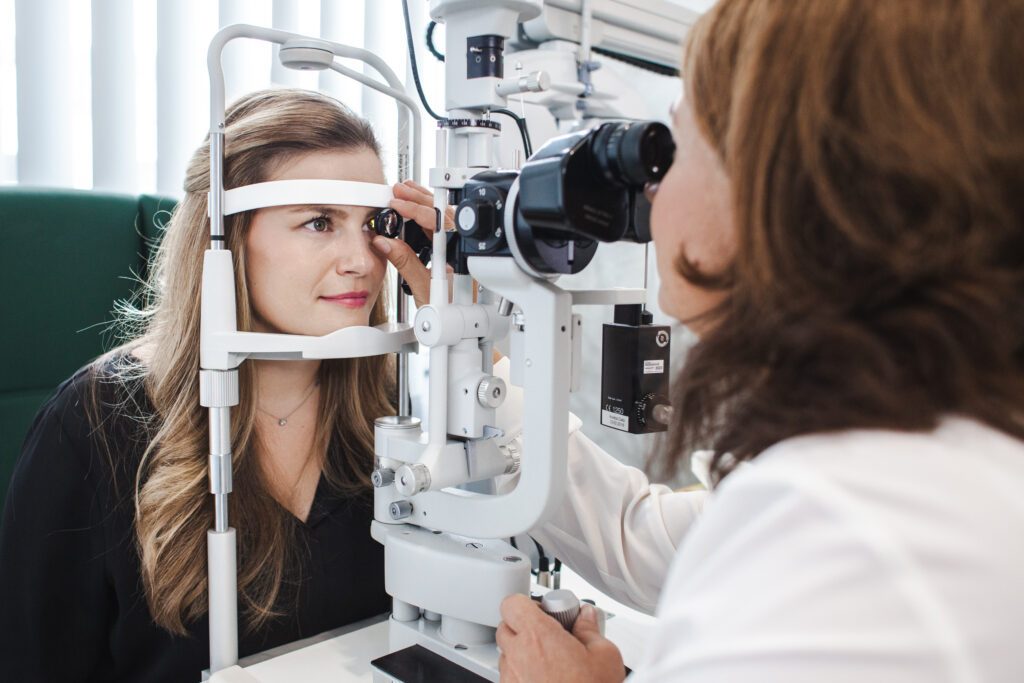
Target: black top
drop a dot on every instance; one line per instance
(71, 601)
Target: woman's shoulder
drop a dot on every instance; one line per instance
(897, 497)
(953, 456)
(109, 388)
(878, 532)
(101, 409)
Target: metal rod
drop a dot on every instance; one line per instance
(438, 379)
(220, 464)
(647, 261)
(216, 190)
(220, 503)
(404, 402)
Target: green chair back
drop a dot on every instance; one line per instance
(67, 256)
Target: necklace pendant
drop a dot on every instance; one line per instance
(282, 422)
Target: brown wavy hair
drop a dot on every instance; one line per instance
(173, 506)
(875, 151)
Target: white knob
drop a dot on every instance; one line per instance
(491, 392)
(563, 605)
(411, 479)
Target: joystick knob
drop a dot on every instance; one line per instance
(563, 605)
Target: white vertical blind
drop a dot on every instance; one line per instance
(246, 63)
(44, 91)
(296, 16)
(113, 96)
(342, 22)
(385, 36)
(183, 32)
(8, 104)
(144, 26)
(431, 76)
(71, 121)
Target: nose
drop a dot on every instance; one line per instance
(353, 255)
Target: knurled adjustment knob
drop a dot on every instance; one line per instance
(411, 479)
(640, 408)
(382, 477)
(563, 605)
(653, 408)
(491, 392)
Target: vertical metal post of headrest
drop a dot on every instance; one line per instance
(215, 202)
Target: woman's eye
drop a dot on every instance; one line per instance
(320, 224)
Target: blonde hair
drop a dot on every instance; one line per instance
(173, 506)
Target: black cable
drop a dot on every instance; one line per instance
(412, 61)
(430, 41)
(540, 548)
(523, 132)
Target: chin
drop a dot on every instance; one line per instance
(341, 322)
(669, 307)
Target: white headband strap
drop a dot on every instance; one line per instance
(317, 192)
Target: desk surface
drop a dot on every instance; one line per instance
(344, 655)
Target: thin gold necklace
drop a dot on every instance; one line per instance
(283, 421)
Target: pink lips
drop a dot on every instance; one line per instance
(349, 299)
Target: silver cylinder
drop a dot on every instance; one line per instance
(462, 632)
(220, 431)
(403, 611)
(400, 509)
(216, 197)
(382, 477)
(220, 512)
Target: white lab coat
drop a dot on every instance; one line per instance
(850, 557)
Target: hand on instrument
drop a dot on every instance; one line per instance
(414, 203)
(535, 648)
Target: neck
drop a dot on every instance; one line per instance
(283, 382)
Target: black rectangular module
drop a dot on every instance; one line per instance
(634, 371)
(417, 664)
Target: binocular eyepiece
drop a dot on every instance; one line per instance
(633, 154)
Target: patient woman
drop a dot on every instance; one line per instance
(843, 225)
(103, 544)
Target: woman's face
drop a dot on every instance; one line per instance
(692, 215)
(310, 269)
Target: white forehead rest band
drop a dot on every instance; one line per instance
(315, 192)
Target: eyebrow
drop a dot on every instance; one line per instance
(333, 211)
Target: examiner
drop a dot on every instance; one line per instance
(844, 228)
